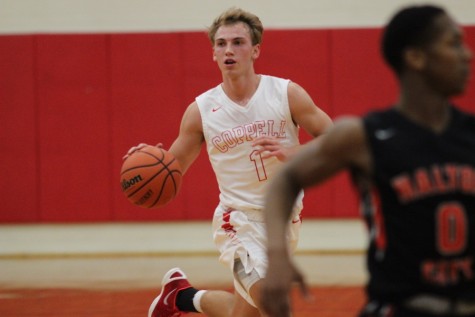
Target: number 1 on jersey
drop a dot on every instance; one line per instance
(256, 158)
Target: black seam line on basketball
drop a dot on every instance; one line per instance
(159, 160)
(149, 165)
(170, 172)
(148, 181)
(163, 186)
(165, 167)
(161, 190)
(140, 166)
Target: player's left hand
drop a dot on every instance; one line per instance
(270, 146)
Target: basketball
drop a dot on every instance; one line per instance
(150, 177)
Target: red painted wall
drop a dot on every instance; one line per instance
(71, 106)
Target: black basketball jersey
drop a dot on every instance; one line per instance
(422, 215)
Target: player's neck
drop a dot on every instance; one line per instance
(241, 89)
(430, 111)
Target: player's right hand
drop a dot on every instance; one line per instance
(138, 147)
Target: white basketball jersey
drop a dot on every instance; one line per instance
(229, 130)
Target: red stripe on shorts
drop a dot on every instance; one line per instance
(227, 226)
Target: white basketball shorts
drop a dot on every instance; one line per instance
(240, 237)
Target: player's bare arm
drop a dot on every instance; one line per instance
(187, 145)
(344, 146)
(304, 114)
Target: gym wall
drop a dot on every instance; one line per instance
(82, 84)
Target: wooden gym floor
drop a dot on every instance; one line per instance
(116, 269)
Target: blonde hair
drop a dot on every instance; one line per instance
(236, 15)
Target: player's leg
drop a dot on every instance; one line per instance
(216, 303)
(251, 281)
(255, 293)
(177, 295)
(242, 308)
(246, 303)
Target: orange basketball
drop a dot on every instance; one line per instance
(150, 177)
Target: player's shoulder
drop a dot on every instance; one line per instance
(380, 113)
(296, 92)
(273, 81)
(266, 77)
(463, 121)
(192, 112)
(460, 114)
(381, 118)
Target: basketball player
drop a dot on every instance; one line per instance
(249, 124)
(414, 166)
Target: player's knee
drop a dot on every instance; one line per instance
(246, 280)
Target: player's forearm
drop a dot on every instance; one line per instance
(280, 200)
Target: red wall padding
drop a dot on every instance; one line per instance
(72, 105)
(19, 124)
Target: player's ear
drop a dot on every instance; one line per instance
(214, 56)
(256, 51)
(414, 58)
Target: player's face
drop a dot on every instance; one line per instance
(233, 49)
(448, 59)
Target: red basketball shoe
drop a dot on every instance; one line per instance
(164, 305)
